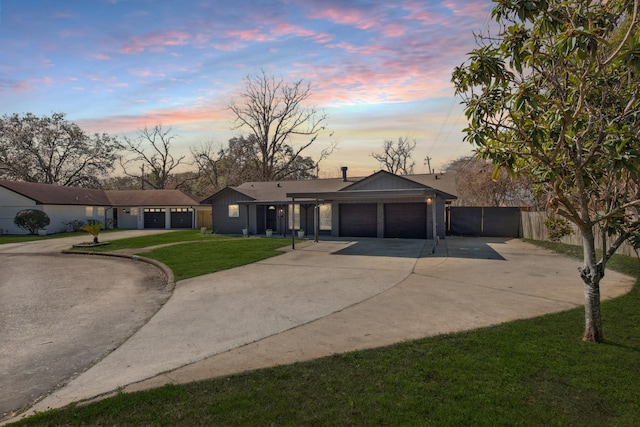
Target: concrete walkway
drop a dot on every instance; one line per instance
(331, 297)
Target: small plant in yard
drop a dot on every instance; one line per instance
(31, 220)
(93, 229)
(74, 225)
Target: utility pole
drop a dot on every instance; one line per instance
(142, 177)
(427, 160)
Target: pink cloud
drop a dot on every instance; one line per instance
(21, 86)
(248, 35)
(155, 41)
(167, 117)
(393, 30)
(478, 10)
(285, 28)
(101, 56)
(346, 16)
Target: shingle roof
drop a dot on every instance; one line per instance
(49, 194)
(149, 198)
(272, 191)
(445, 182)
(276, 191)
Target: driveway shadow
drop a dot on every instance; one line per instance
(452, 247)
(396, 248)
(470, 247)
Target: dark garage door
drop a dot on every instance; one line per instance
(405, 220)
(154, 218)
(181, 218)
(359, 220)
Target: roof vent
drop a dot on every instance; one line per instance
(278, 184)
(344, 173)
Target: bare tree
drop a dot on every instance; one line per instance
(396, 156)
(476, 186)
(54, 151)
(151, 151)
(273, 111)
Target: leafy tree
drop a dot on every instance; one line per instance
(31, 220)
(273, 111)
(555, 95)
(240, 162)
(52, 150)
(151, 155)
(477, 188)
(396, 156)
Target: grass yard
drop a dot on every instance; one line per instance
(189, 253)
(529, 373)
(196, 259)
(19, 238)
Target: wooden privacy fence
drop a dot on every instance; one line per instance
(533, 228)
(204, 217)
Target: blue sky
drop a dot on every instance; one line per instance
(379, 69)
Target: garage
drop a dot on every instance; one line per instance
(154, 218)
(405, 220)
(359, 220)
(181, 218)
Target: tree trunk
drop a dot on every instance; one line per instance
(591, 275)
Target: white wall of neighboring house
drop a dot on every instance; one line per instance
(12, 203)
(130, 217)
(61, 215)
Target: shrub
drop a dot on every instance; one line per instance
(74, 225)
(93, 228)
(31, 220)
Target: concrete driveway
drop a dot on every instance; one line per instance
(61, 314)
(332, 297)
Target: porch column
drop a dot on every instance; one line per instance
(316, 221)
(433, 219)
(293, 223)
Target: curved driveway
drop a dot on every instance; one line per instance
(332, 297)
(60, 314)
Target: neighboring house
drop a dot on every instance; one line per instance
(134, 209)
(380, 205)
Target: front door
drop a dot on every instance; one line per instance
(272, 218)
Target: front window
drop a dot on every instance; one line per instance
(88, 211)
(234, 211)
(325, 217)
(294, 217)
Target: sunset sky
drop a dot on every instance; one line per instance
(379, 69)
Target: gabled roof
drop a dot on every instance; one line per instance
(380, 185)
(49, 194)
(276, 191)
(279, 192)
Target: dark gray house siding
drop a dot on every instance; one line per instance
(380, 205)
(222, 223)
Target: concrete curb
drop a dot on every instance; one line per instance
(170, 280)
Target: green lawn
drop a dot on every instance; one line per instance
(191, 253)
(19, 238)
(196, 259)
(530, 372)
